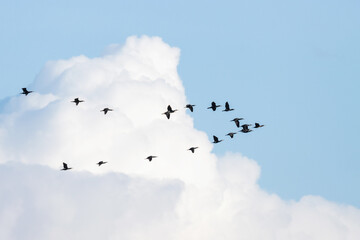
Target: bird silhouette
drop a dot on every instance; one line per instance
(257, 125)
(245, 128)
(231, 134)
(192, 149)
(25, 91)
(227, 108)
(213, 106)
(106, 110)
(150, 158)
(65, 167)
(190, 106)
(237, 121)
(77, 101)
(216, 140)
(169, 111)
(101, 163)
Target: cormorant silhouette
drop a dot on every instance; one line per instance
(216, 140)
(227, 108)
(213, 106)
(245, 128)
(190, 106)
(237, 121)
(77, 101)
(106, 110)
(101, 163)
(231, 134)
(25, 91)
(257, 125)
(192, 149)
(65, 167)
(150, 158)
(169, 111)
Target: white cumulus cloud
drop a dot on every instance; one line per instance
(178, 195)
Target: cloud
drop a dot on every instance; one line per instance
(179, 195)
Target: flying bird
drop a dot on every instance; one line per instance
(150, 158)
(257, 125)
(25, 91)
(106, 110)
(77, 101)
(190, 106)
(227, 107)
(192, 149)
(216, 140)
(231, 134)
(237, 121)
(65, 167)
(245, 128)
(169, 111)
(101, 163)
(213, 106)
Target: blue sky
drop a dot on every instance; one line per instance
(290, 65)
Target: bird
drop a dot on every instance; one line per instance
(257, 125)
(231, 134)
(245, 128)
(25, 91)
(192, 149)
(77, 101)
(216, 140)
(237, 121)
(106, 110)
(227, 107)
(213, 106)
(101, 163)
(65, 167)
(190, 106)
(169, 111)
(150, 158)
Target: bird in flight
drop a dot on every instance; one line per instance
(169, 111)
(257, 125)
(101, 163)
(245, 128)
(190, 106)
(231, 134)
(150, 158)
(227, 107)
(192, 149)
(106, 110)
(213, 106)
(216, 140)
(77, 101)
(25, 91)
(237, 121)
(65, 167)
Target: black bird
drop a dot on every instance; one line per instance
(101, 163)
(245, 128)
(237, 121)
(227, 108)
(65, 167)
(190, 106)
(213, 106)
(257, 125)
(106, 110)
(231, 134)
(150, 158)
(25, 91)
(192, 149)
(216, 140)
(169, 111)
(77, 101)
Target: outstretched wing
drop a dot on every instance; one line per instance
(227, 105)
(65, 165)
(169, 108)
(215, 138)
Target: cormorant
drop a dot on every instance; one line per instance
(216, 140)
(231, 134)
(213, 106)
(65, 167)
(257, 125)
(150, 158)
(25, 91)
(190, 106)
(169, 111)
(101, 163)
(192, 149)
(77, 101)
(227, 108)
(106, 110)
(245, 128)
(237, 121)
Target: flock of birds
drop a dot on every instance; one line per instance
(245, 127)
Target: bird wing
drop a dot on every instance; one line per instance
(65, 165)
(237, 123)
(215, 138)
(227, 105)
(24, 89)
(169, 108)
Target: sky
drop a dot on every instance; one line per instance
(291, 66)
